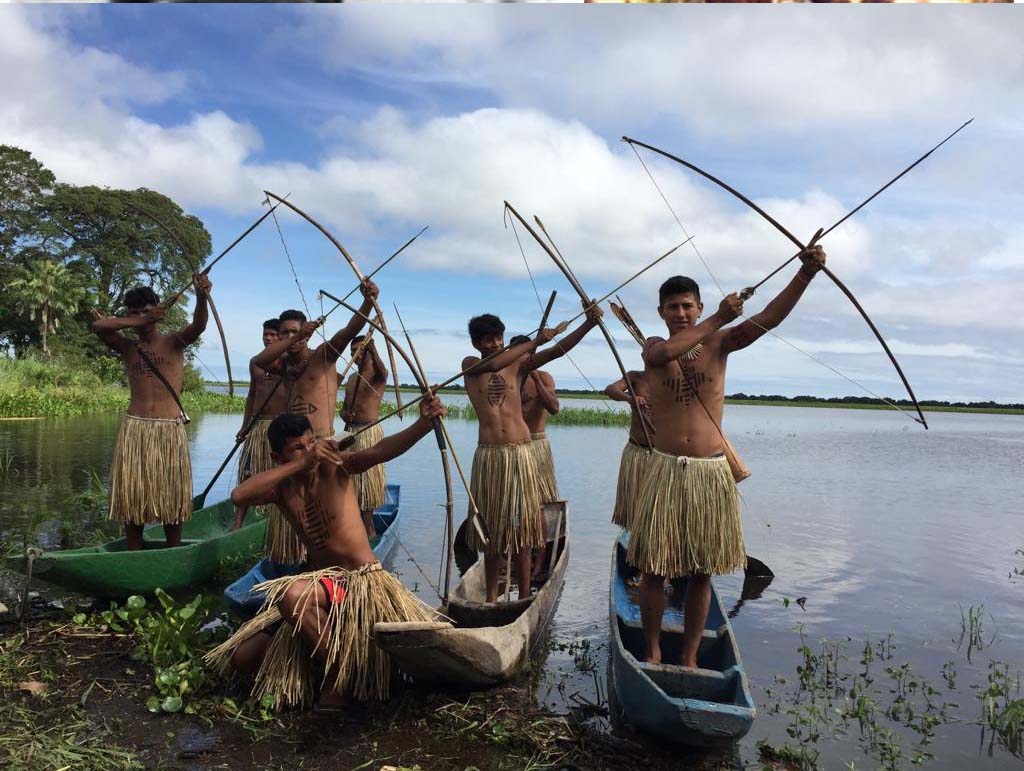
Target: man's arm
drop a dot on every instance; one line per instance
(617, 391)
(266, 358)
(391, 447)
(545, 385)
(200, 315)
(262, 488)
(509, 355)
(660, 353)
(562, 347)
(344, 336)
(774, 312)
(108, 333)
(380, 371)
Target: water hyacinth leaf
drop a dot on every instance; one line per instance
(135, 602)
(171, 704)
(153, 704)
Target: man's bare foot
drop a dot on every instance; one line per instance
(653, 658)
(692, 663)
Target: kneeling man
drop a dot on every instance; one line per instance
(315, 629)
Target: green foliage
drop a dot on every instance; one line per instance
(171, 640)
(63, 386)
(45, 291)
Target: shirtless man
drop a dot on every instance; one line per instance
(311, 374)
(363, 394)
(636, 452)
(151, 473)
(505, 478)
(334, 605)
(688, 490)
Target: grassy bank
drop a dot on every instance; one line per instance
(35, 388)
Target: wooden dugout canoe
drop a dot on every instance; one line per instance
(484, 644)
(246, 602)
(110, 570)
(708, 706)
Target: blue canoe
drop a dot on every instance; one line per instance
(245, 601)
(707, 707)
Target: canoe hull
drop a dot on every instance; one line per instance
(110, 571)
(706, 707)
(462, 655)
(245, 601)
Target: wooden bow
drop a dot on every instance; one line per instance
(571, 278)
(800, 245)
(194, 264)
(359, 275)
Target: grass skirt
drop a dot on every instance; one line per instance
(687, 518)
(627, 490)
(371, 485)
(151, 472)
(290, 673)
(506, 490)
(545, 468)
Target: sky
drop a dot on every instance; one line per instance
(380, 120)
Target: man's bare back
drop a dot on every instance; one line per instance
(365, 389)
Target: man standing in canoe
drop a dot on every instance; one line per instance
(311, 374)
(687, 521)
(363, 394)
(505, 480)
(151, 473)
(636, 452)
(315, 628)
(280, 543)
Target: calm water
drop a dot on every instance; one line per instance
(882, 526)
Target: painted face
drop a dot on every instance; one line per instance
(269, 336)
(490, 344)
(679, 311)
(294, 448)
(289, 329)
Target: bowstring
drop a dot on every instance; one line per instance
(779, 337)
(326, 343)
(540, 303)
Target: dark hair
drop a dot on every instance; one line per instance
(274, 324)
(140, 297)
(284, 427)
(358, 339)
(293, 315)
(483, 325)
(518, 339)
(678, 285)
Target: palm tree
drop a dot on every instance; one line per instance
(46, 290)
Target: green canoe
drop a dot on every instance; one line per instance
(112, 571)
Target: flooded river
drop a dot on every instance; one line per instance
(883, 531)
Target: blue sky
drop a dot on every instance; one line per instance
(380, 120)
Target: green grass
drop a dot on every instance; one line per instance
(32, 387)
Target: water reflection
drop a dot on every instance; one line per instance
(880, 525)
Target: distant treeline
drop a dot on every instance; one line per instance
(740, 397)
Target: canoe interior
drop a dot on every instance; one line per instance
(719, 677)
(466, 606)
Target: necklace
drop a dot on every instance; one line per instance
(693, 353)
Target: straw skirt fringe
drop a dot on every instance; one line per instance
(545, 468)
(289, 671)
(151, 472)
(687, 519)
(627, 490)
(371, 485)
(506, 490)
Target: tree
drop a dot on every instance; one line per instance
(46, 291)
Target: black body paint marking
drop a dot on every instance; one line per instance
(496, 390)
